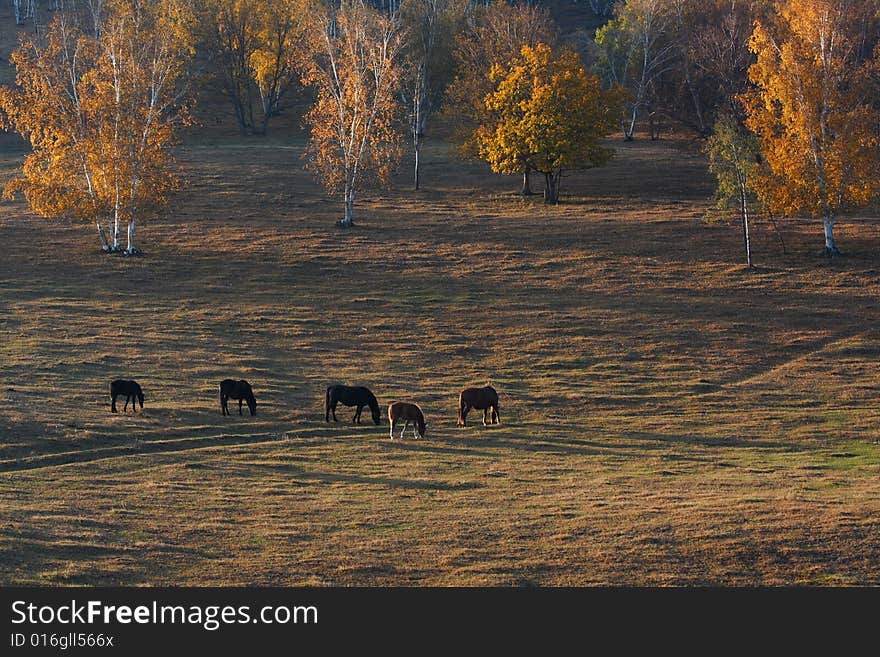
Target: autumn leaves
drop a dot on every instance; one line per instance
(546, 115)
(815, 108)
(99, 102)
(102, 91)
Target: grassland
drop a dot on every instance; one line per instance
(667, 416)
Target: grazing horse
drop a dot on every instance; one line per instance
(240, 390)
(130, 389)
(351, 396)
(483, 399)
(408, 413)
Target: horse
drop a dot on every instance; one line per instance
(351, 396)
(240, 390)
(408, 413)
(483, 399)
(130, 389)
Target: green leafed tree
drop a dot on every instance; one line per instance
(734, 155)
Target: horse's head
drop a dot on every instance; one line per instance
(377, 418)
(422, 424)
(252, 404)
(140, 396)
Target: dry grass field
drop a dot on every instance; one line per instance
(667, 416)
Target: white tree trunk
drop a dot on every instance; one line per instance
(115, 231)
(418, 147)
(348, 219)
(830, 246)
(131, 250)
(745, 218)
(105, 245)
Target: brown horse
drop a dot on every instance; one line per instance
(408, 413)
(239, 390)
(483, 399)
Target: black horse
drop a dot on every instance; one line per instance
(130, 389)
(240, 390)
(350, 396)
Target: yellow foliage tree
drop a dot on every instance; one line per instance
(492, 33)
(815, 108)
(274, 61)
(548, 115)
(100, 113)
(355, 134)
(256, 47)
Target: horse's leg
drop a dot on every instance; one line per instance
(240, 402)
(357, 415)
(497, 417)
(403, 431)
(485, 416)
(416, 435)
(125, 408)
(391, 432)
(224, 405)
(333, 406)
(464, 412)
(113, 404)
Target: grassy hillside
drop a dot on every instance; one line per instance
(667, 416)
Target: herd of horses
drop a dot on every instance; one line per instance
(482, 399)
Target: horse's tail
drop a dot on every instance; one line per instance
(460, 406)
(327, 403)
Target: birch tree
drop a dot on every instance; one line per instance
(636, 50)
(24, 10)
(815, 109)
(274, 63)
(426, 67)
(602, 7)
(355, 71)
(100, 115)
(734, 154)
(256, 47)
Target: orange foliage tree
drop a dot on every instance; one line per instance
(548, 115)
(355, 132)
(815, 110)
(100, 113)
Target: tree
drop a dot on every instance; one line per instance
(256, 46)
(354, 68)
(734, 154)
(429, 26)
(231, 42)
(274, 62)
(548, 115)
(24, 9)
(815, 110)
(100, 114)
(602, 7)
(637, 49)
(493, 34)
